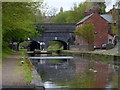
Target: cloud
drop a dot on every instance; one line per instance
(66, 4)
(109, 4)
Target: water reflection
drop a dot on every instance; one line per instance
(79, 72)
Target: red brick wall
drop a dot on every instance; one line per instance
(101, 27)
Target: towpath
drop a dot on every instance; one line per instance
(12, 75)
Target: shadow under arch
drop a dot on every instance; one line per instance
(34, 45)
(31, 46)
(65, 45)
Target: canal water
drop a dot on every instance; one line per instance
(76, 72)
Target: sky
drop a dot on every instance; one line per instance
(109, 4)
(68, 4)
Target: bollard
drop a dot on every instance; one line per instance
(22, 62)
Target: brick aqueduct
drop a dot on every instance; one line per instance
(56, 32)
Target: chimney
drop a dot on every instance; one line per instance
(85, 13)
(93, 10)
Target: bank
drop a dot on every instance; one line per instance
(18, 72)
(115, 56)
(35, 78)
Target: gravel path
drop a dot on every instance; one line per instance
(12, 76)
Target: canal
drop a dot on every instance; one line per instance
(74, 71)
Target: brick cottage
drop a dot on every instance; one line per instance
(103, 29)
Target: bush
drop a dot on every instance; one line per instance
(6, 51)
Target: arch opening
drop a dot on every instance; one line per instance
(34, 45)
(23, 45)
(57, 45)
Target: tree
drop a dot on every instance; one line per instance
(101, 6)
(86, 31)
(116, 20)
(18, 20)
(77, 12)
(74, 15)
(39, 17)
(51, 12)
(114, 29)
(61, 17)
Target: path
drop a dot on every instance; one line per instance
(12, 76)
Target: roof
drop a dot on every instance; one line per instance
(85, 18)
(107, 17)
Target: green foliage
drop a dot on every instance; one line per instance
(114, 29)
(55, 45)
(39, 17)
(101, 6)
(115, 17)
(27, 72)
(23, 44)
(6, 52)
(74, 15)
(86, 31)
(17, 20)
(25, 69)
(61, 17)
(77, 12)
(115, 13)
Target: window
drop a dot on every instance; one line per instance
(109, 28)
(110, 40)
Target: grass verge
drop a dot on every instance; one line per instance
(7, 52)
(27, 72)
(25, 69)
(92, 52)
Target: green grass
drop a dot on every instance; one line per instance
(22, 54)
(25, 69)
(55, 54)
(55, 47)
(104, 53)
(7, 52)
(22, 49)
(77, 51)
(27, 72)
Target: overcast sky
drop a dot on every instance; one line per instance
(67, 4)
